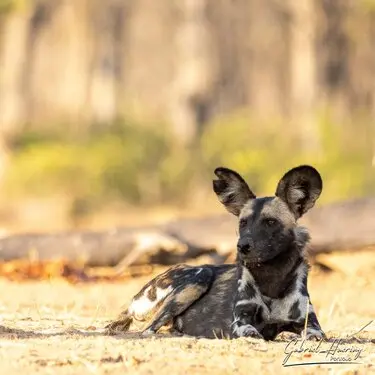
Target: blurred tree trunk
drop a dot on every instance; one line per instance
(303, 71)
(107, 25)
(333, 49)
(252, 43)
(4, 157)
(269, 50)
(13, 37)
(231, 53)
(58, 51)
(186, 61)
(195, 71)
(148, 60)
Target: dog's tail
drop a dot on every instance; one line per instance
(121, 324)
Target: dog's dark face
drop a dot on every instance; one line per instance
(268, 226)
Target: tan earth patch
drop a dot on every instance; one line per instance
(54, 327)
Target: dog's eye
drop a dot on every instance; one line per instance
(270, 222)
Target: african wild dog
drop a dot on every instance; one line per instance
(261, 295)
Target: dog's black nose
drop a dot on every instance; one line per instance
(243, 248)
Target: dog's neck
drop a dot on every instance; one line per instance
(274, 276)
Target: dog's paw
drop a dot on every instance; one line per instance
(287, 336)
(247, 331)
(314, 335)
(116, 327)
(148, 332)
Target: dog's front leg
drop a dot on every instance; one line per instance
(296, 308)
(248, 308)
(313, 330)
(303, 309)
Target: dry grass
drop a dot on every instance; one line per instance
(56, 327)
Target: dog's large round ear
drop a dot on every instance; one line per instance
(300, 188)
(232, 190)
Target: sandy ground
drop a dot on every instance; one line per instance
(54, 327)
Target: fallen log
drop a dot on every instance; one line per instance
(123, 246)
(340, 226)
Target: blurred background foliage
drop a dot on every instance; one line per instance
(143, 166)
(100, 110)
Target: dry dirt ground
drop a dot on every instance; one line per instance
(54, 327)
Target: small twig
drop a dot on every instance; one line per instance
(306, 319)
(356, 333)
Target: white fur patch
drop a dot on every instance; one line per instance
(247, 210)
(296, 194)
(280, 307)
(246, 278)
(230, 193)
(245, 302)
(179, 323)
(143, 305)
